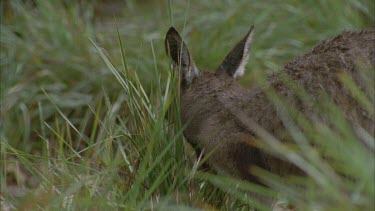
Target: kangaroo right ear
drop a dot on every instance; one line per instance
(235, 62)
(180, 55)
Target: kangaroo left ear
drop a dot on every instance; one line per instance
(181, 58)
(235, 62)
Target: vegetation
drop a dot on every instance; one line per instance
(89, 105)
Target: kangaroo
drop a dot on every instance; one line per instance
(212, 103)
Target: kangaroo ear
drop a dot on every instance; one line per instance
(181, 58)
(235, 62)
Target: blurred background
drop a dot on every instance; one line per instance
(53, 78)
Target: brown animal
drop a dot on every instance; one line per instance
(212, 103)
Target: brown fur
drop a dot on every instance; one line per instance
(212, 126)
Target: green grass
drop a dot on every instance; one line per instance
(89, 105)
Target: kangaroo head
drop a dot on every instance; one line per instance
(204, 97)
(200, 90)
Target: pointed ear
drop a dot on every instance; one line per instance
(235, 62)
(181, 58)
